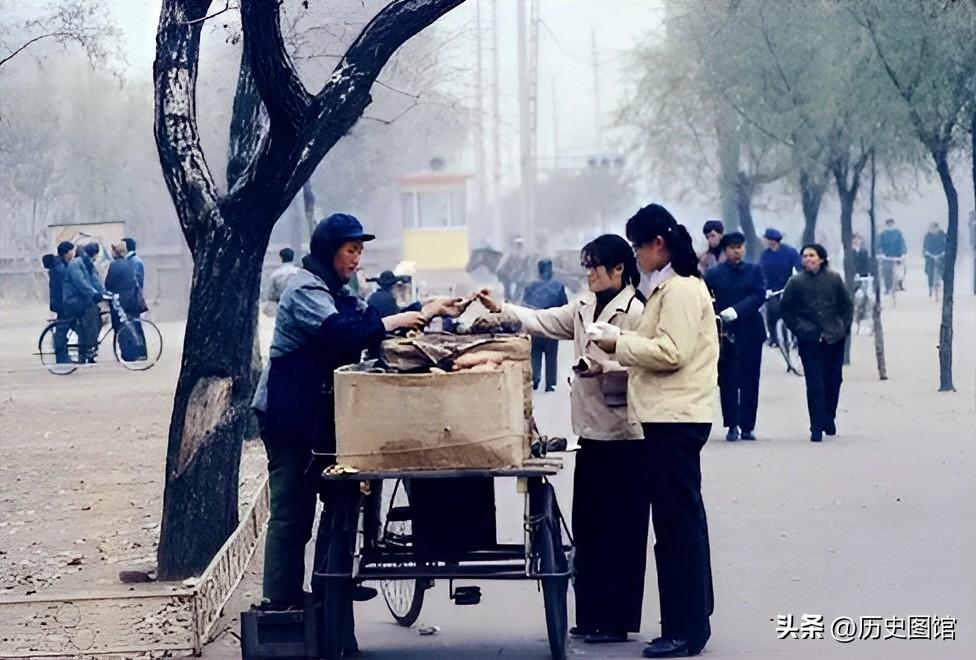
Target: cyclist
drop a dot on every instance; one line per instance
(891, 245)
(778, 262)
(57, 269)
(81, 293)
(934, 248)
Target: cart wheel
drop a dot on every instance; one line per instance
(338, 636)
(405, 599)
(547, 543)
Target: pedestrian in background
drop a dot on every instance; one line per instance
(739, 293)
(713, 231)
(384, 299)
(138, 267)
(891, 245)
(778, 261)
(57, 268)
(81, 292)
(610, 502)
(672, 362)
(279, 279)
(545, 293)
(934, 249)
(819, 310)
(121, 280)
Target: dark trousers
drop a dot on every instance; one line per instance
(823, 369)
(61, 339)
(772, 316)
(738, 381)
(87, 325)
(610, 521)
(292, 514)
(550, 349)
(681, 550)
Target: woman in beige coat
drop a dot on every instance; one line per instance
(672, 357)
(610, 505)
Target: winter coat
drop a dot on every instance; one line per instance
(741, 287)
(82, 286)
(56, 274)
(778, 266)
(544, 294)
(862, 262)
(672, 354)
(599, 403)
(935, 243)
(139, 268)
(121, 280)
(710, 258)
(818, 306)
(279, 279)
(317, 330)
(891, 243)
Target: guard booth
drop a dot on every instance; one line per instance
(433, 210)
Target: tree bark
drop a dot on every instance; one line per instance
(877, 330)
(743, 201)
(948, 271)
(812, 190)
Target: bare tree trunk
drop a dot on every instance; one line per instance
(743, 202)
(876, 327)
(948, 271)
(211, 408)
(972, 226)
(811, 195)
(728, 158)
(308, 197)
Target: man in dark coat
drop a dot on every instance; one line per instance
(81, 292)
(545, 293)
(739, 292)
(137, 266)
(778, 262)
(934, 249)
(57, 269)
(121, 280)
(384, 300)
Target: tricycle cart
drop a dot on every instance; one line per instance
(398, 541)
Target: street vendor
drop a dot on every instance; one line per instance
(320, 327)
(610, 507)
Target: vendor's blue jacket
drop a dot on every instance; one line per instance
(320, 327)
(778, 266)
(82, 287)
(741, 287)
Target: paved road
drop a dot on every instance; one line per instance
(880, 521)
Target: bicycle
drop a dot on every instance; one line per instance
(892, 274)
(786, 341)
(934, 265)
(863, 304)
(137, 343)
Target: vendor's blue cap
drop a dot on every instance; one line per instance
(335, 230)
(773, 234)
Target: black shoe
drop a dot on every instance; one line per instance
(577, 631)
(669, 648)
(733, 434)
(268, 605)
(748, 435)
(535, 387)
(361, 594)
(830, 429)
(816, 437)
(550, 388)
(606, 638)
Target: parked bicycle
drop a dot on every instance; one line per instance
(136, 342)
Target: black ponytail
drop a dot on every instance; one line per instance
(654, 220)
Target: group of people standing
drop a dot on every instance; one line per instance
(800, 289)
(76, 289)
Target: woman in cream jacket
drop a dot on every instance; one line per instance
(672, 357)
(610, 505)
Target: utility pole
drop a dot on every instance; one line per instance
(496, 127)
(479, 127)
(597, 114)
(528, 57)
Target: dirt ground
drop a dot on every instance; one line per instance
(878, 521)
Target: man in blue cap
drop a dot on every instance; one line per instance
(778, 262)
(739, 292)
(320, 327)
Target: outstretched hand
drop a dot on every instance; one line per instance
(484, 297)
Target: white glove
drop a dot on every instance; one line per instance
(770, 293)
(601, 331)
(729, 314)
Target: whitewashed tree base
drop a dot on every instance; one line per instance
(133, 619)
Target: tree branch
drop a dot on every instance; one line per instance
(27, 44)
(181, 156)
